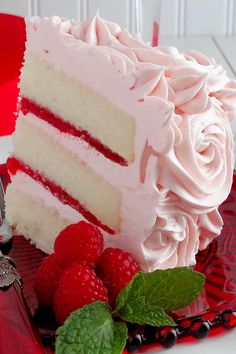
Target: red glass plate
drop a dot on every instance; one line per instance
(217, 262)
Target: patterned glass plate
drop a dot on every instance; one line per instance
(217, 262)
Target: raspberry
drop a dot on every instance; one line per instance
(46, 280)
(78, 286)
(116, 268)
(79, 243)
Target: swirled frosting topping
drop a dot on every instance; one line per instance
(190, 78)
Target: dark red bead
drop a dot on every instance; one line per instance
(215, 322)
(149, 335)
(133, 343)
(166, 336)
(200, 328)
(228, 319)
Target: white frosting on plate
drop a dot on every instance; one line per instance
(182, 105)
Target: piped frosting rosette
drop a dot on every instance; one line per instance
(174, 240)
(199, 169)
(179, 233)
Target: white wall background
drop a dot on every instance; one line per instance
(179, 17)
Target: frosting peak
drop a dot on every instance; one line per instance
(150, 82)
(96, 31)
(189, 91)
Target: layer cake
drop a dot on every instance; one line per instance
(133, 138)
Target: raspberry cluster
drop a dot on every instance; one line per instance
(80, 272)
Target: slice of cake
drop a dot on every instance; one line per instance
(134, 139)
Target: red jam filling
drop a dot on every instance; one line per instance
(66, 127)
(15, 165)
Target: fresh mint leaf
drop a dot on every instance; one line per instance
(141, 313)
(120, 336)
(149, 295)
(91, 330)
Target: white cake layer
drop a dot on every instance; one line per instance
(36, 148)
(35, 213)
(77, 104)
(41, 216)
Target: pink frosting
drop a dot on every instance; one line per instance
(227, 98)
(209, 225)
(175, 237)
(199, 169)
(189, 78)
(181, 104)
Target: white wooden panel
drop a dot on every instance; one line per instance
(234, 17)
(16, 7)
(116, 11)
(64, 8)
(231, 8)
(227, 46)
(151, 12)
(179, 17)
(206, 17)
(203, 44)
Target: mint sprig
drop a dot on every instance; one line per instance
(149, 295)
(145, 300)
(91, 330)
